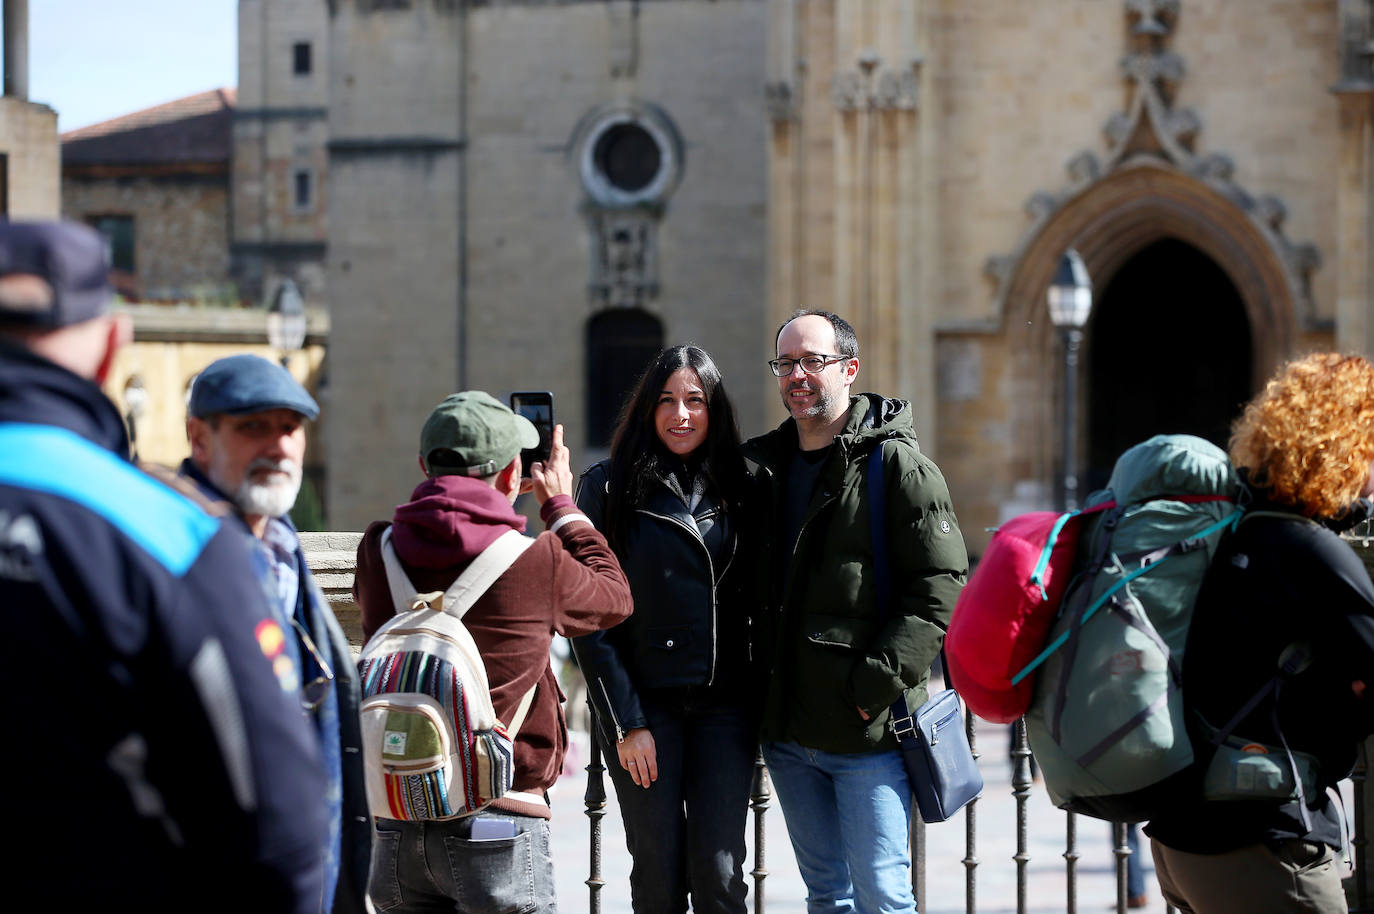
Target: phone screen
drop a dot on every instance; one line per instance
(536, 406)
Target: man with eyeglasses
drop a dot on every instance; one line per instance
(246, 425)
(158, 762)
(834, 658)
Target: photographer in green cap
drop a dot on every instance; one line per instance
(567, 582)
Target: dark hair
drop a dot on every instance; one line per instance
(846, 341)
(638, 457)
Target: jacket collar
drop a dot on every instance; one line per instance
(36, 390)
(872, 418)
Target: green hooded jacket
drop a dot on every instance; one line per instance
(827, 648)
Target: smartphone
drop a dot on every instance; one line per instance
(536, 406)
(492, 828)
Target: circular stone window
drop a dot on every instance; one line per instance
(628, 155)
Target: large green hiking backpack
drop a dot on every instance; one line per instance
(1107, 722)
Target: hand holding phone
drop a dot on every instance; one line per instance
(553, 476)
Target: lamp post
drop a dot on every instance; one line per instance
(135, 403)
(286, 320)
(1070, 299)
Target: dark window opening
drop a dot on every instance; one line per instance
(620, 344)
(629, 157)
(119, 240)
(1169, 352)
(300, 58)
(302, 189)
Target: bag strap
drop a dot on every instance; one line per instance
(1148, 563)
(877, 525)
(467, 589)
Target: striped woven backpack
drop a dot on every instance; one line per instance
(432, 744)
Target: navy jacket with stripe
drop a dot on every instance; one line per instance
(157, 753)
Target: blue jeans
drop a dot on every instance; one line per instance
(686, 831)
(849, 819)
(437, 866)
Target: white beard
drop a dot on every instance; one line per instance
(269, 499)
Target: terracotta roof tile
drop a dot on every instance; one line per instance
(197, 128)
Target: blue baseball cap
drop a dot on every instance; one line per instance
(248, 384)
(70, 257)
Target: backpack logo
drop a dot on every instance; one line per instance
(394, 743)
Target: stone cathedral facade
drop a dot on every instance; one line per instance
(529, 194)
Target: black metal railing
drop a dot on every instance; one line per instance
(1022, 784)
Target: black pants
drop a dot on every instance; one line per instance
(686, 831)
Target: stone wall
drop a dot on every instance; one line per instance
(28, 140)
(280, 130)
(461, 246)
(181, 231)
(932, 159)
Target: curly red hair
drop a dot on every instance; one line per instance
(1308, 437)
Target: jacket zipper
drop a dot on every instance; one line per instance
(610, 708)
(711, 569)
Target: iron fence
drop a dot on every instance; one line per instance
(1022, 785)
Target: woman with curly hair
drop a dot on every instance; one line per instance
(671, 684)
(1282, 642)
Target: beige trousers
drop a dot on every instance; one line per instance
(1297, 876)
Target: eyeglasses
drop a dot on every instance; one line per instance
(314, 692)
(811, 364)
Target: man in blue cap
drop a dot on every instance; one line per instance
(246, 424)
(160, 754)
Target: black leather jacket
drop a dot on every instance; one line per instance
(687, 629)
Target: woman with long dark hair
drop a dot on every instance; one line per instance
(670, 684)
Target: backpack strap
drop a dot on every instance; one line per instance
(469, 586)
(877, 524)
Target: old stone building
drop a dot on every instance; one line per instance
(930, 163)
(155, 183)
(280, 203)
(28, 130)
(532, 194)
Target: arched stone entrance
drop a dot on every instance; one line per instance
(1169, 351)
(1112, 221)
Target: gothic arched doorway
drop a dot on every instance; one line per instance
(1169, 351)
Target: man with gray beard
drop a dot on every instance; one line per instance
(246, 424)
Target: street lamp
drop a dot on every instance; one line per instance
(286, 320)
(135, 404)
(1070, 299)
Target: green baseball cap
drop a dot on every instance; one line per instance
(478, 433)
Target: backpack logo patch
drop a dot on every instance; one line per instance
(394, 743)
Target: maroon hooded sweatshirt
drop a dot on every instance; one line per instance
(568, 582)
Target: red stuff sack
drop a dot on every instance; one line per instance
(1003, 615)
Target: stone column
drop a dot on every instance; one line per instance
(1355, 192)
(849, 216)
(16, 28)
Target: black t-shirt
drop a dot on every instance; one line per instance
(802, 472)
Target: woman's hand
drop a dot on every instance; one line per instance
(638, 756)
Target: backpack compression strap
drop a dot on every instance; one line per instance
(1149, 563)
